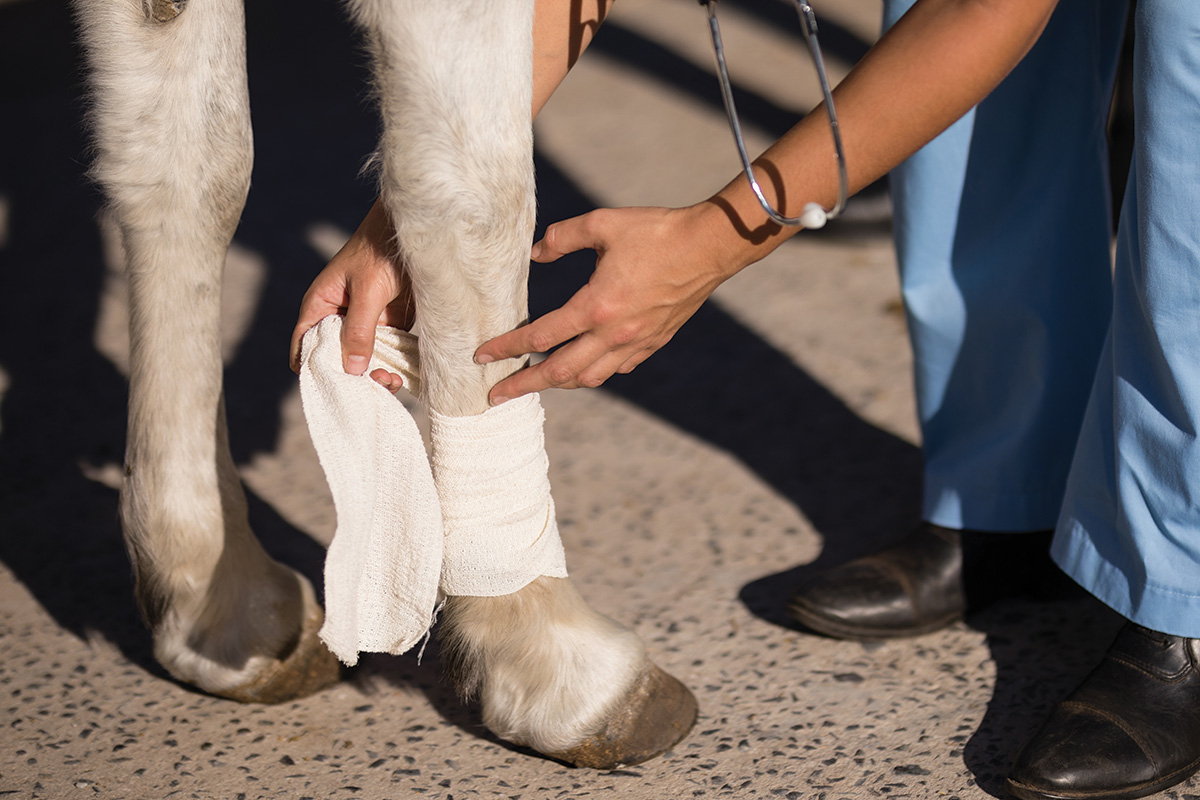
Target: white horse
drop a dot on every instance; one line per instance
(172, 124)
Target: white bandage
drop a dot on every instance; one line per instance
(490, 472)
(391, 551)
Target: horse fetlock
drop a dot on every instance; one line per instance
(554, 675)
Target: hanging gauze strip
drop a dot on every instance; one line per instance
(485, 527)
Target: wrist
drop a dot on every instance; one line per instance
(735, 236)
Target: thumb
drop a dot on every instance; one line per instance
(567, 236)
(358, 330)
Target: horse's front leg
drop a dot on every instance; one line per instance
(172, 123)
(455, 84)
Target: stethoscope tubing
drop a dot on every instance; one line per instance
(813, 216)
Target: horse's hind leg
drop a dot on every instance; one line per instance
(173, 154)
(455, 84)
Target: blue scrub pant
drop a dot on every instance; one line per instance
(1003, 237)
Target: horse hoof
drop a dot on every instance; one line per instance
(656, 715)
(307, 668)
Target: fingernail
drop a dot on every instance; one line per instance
(536, 250)
(356, 365)
(483, 358)
(498, 400)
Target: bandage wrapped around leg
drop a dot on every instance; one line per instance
(485, 528)
(491, 475)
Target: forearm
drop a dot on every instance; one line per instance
(933, 66)
(655, 267)
(562, 30)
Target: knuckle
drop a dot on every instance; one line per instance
(591, 381)
(555, 241)
(558, 375)
(633, 363)
(539, 342)
(359, 335)
(604, 312)
(598, 219)
(625, 334)
(380, 287)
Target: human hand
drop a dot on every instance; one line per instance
(365, 282)
(654, 268)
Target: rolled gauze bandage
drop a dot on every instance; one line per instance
(491, 475)
(485, 528)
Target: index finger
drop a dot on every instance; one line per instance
(544, 333)
(561, 370)
(310, 314)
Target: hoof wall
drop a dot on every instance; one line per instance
(657, 714)
(308, 668)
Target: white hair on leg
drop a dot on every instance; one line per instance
(455, 84)
(173, 143)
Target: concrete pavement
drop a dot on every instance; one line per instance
(773, 437)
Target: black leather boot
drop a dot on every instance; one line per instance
(926, 582)
(1132, 728)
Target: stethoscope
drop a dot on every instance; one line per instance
(813, 215)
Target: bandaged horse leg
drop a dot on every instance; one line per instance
(455, 85)
(173, 139)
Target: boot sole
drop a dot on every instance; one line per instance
(838, 630)
(1023, 792)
